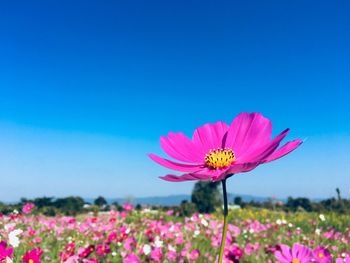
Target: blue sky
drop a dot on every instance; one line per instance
(88, 87)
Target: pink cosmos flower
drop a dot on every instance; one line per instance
(33, 256)
(233, 254)
(322, 255)
(346, 259)
(85, 252)
(156, 255)
(5, 252)
(102, 249)
(218, 150)
(128, 207)
(297, 254)
(131, 258)
(195, 254)
(27, 208)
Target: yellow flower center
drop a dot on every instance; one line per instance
(30, 261)
(219, 158)
(320, 255)
(296, 261)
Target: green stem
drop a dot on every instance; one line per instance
(224, 230)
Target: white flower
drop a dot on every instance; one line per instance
(322, 217)
(114, 253)
(171, 248)
(318, 231)
(146, 249)
(158, 242)
(290, 225)
(204, 222)
(196, 233)
(8, 260)
(278, 221)
(13, 239)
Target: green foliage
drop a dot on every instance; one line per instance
(70, 205)
(206, 196)
(187, 208)
(100, 201)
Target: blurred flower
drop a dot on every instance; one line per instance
(27, 208)
(131, 258)
(13, 237)
(146, 249)
(195, 254)
(322, 255)
(33, 256)
(5, 252)
(128, 207)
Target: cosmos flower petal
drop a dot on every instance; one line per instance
(214, 174)
(210, 136)
(180, 147)
(247, 131)
(286, 251)
(282, 151)
(295, 250)
(242, 168)
(281, 258)
(175, 166)
(185, 177)
(258, 155)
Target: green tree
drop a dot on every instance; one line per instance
(100, 201)
(71, 205)
(187, 208)
(206, 196)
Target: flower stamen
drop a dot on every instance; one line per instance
(219, 158)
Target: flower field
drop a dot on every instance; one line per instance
(154, 236)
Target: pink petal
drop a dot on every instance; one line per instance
(248, 131)
(286, 252)
(281, 258)
(184, 177)
(214, 174)
(179, 147)
(259, 154)
(242, 168)
(175, 166)
(210, 136)
(284, 150)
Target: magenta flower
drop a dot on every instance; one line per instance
(194, 255)
(27, 208)
(217, 151)
(5, 252)
(33, 256)
(297, 254)
(345, 259)
(131, 258)
(322, 255)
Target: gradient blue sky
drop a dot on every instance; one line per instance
(87, 88)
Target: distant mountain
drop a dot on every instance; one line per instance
(174, 199)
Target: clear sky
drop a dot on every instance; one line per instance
(88, 87)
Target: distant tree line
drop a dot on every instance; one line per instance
(335, 204)
(206, 198)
